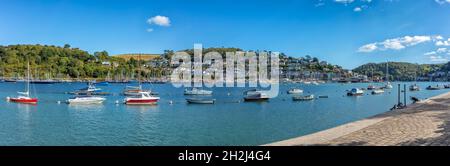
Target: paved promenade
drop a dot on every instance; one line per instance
(426, 123)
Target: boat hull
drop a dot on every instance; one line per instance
(194, 101)
(355, 94)
(26, 101)
(141, 101)
(249, 99)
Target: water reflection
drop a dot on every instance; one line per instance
(86, 107)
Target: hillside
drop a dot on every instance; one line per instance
(144, 57)
(59, 62)
(400, 71)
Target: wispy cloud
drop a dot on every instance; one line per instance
(442, 2)
(344, 1)
(438, 58)
(440, 55)
(358, 5)
(396, 43)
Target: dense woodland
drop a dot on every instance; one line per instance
(61, 62)
(401, 71)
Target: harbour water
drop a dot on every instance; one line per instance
(230, 121)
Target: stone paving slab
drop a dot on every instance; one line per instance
(426, 123)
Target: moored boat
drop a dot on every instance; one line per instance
(303, 98)
(86, 100)
(200, 101)
(90, 88)
(24, 97)
(144, 98)
(355, 92)
(414, 87)
(255, 95)
(295, 91)
(377, 91)
(49, 81)
(388, 86)
(437, 87)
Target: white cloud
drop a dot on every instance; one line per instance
(357, 9)
(430, 53)
(368, 47)
(437, 58)
(441, 2)
(441, 50)
(396, 43)
(443, 42)
(150, 30)
(440, 55)
(159, 20)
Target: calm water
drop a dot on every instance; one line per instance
(225, 123)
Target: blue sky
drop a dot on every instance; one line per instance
(344, 32)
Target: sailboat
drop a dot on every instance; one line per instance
(141, 97)
(388, 84)
(24, 97)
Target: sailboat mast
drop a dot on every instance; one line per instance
(139, 66)
(387, 71)
(28, 79)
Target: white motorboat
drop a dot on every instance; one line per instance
(144, 98)
(377, 91)
(303, 98)
(195, 91)
(414, 87)
(295, 91)
(86, 100)
(355, 92)
(255, 95)
(388, 86)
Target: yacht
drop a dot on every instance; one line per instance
(437, 87)
(377, 91)
(355, 92)
(294, 91)
(255, 95)
(303, 98)
(414, 87)
(144, 98)
(388, 85)
(86, 100)
(24, 97)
